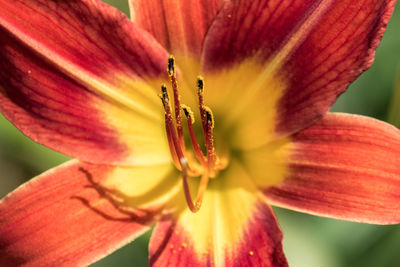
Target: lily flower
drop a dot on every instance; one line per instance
(193, 116)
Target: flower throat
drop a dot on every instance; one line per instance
(206, 166)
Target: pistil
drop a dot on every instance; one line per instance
(208, 164)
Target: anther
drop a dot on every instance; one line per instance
(200, 89)
(171, 65)
(185, 110)
(164, 92)
(209, 116)
(200, 84)
(188, 113)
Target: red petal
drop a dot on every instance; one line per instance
(260, 245)
(180, 25)
(233, 228)
(317, 47)
(65, 217)
(89, 34)
(345, 167)
(72, 71)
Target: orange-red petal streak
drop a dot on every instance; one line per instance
(259, 245)
(318, 47)
(180, 26)
(66, 217)
(344, 167)
(234, 227)
(72, 70)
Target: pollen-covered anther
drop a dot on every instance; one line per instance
(164, 93)
(171, 65)
(209, 116)
(188, 113)
(207, 165)
(200, 83)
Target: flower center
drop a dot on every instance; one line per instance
(206, 166)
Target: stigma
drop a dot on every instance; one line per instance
(205, 165)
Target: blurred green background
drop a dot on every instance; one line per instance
(309, 241)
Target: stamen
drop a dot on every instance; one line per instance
(165, 101)
(211, 155)
(190, 120)
(183, 162)
(177, 106)
(169, 122)
(200, 90)
(210, 163)
(171, 131)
